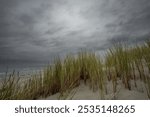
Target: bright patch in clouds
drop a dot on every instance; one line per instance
(71, 19)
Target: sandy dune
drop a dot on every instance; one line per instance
(83, 92)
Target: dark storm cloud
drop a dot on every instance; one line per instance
(17, 29)
(133, 21)
(35, 30)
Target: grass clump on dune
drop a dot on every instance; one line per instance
(120, 63)
(60, 77)
(126, 62)
(67, 74)
(118, 66)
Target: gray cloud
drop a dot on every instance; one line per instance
(35, 30)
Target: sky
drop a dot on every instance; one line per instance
(38, 30)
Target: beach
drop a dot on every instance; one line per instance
(83, 92)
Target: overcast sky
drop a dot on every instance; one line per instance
(38, 30)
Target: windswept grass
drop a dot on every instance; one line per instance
(9, 86)
(121, 63)
(118, 66)
(146, 57)
(125, 63)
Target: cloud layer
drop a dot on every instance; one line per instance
(36, 30)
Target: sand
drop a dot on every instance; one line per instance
(83, 92)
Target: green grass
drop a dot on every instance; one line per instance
(121, 63)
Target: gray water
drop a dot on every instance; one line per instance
(23, 70)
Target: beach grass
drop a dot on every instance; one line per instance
(120, 63)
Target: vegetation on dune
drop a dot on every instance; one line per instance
(121, 63)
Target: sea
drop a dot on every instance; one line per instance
(23, 70)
